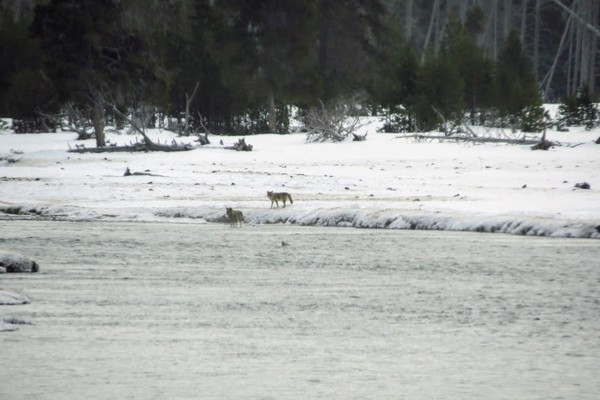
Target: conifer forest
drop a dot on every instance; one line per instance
(243, 66)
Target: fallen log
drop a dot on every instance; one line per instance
(241, 145)
(136, 147)
(145, 173)
(470, 139)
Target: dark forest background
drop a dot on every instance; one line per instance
(238, 66)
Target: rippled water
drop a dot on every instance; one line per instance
(189, 311)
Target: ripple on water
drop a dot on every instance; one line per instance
(175, 310)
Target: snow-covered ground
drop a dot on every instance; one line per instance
(384, 182)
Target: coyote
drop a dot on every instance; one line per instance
(277, 197)
(234, 216)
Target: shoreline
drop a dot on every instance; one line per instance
(387, 219)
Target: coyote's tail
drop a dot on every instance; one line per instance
(291, 201)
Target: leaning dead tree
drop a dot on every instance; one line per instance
(543, 144)
(146, 144)
(332, 123)
(76, 121)
(188, 101)
(73, 119)
(203, 138)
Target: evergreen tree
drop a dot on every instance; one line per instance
(394, 84)
(164, 28)
(515, 85)
(475, 69)
(90, 55)
(349, 36)
(263, 54)
(24, 88)
(580, 109)
(285, 40)
(440, 88)
(194, 57)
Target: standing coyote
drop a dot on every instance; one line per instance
(234, 216)
(277, 197)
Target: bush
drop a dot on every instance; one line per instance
(398, 121)
(34, 125)
(532, 119)
(579, 110)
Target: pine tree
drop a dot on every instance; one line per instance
(24, 88)
(474, 68)
(263, 56)
(515, 87)
(394, 84)
(349, 34)
(89, 54)
(441, 89)
(287, 58)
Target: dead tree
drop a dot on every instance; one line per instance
(147, 144)
(469, 139)
(72, 119)
(188, 102)
(333, 123)
(77, 122)
(543, 143)
(240, 145)
(203, 139)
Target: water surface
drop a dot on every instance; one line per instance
(193, 311)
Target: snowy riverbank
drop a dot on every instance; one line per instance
(385, 182)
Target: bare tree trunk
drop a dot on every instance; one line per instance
(585, 48)
(188, 102)
(594, 47)
(577, 15)
(495, 31)
(583, 42)
(443, 20)
(491, 29)
(324, 32)
(507, 17)
(570, 83)
(434, 13)
(98, 121)
(577, 65)
(463, 8)
(590, 46)
(272, 112)
(524, 20)
(442, 23)
(550, 75)
(409, 19)
(536, 39)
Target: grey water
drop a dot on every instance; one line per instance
(200, 311)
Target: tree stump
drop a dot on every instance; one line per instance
(359, 138)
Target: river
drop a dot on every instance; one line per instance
(205, 311)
